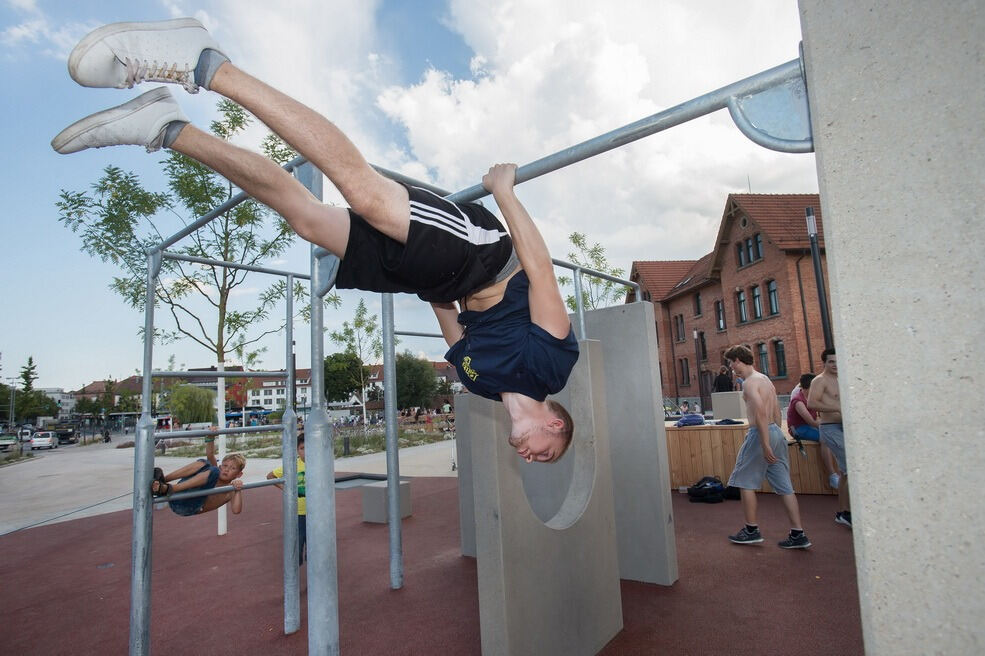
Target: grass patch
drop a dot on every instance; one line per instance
(360, 443)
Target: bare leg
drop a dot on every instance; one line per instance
(381, 201)
(844, 497)
(828, 459)
(749, 505)
(184, 470)
(793, 509)
(261, 178)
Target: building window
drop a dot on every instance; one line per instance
(268, 392)
(679, 327)
(757, 303)
(780, 355)
(697, 304)
(646, 296)
(702, 347)
(750, 254)
(764, 359)
(740, 254)
(720, 314)
(774, 297)
(268, 401)
(759, 246)
(685, 372)
(740, 301)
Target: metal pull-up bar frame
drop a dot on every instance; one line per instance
(755, 104)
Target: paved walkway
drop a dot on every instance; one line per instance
(76, 481)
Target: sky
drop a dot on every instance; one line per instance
(436, 89)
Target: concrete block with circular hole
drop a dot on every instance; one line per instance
(548, 566)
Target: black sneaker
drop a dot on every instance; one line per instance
(799, 542)
(844, 517)
(744, 536)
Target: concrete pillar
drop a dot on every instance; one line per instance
(898, 117)
(547, 585)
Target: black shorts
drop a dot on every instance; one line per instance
(452, 249)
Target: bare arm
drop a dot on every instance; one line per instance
(547, 308)
(805, 413)
(236, 503)
(447, 315)
(758, 411)
(210, 449)
(271, 476)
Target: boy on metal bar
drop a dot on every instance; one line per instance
(278, 472)
(203, 474)
(493, 292)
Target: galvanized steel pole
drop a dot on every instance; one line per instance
(706, 104)
(143, 466)
(323, 583)
(392, 445)
(292, 594)
(822, 298)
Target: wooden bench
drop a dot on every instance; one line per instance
(710, 450)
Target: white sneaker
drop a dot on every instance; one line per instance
(833, 481)
(140, 122)
(121, 55)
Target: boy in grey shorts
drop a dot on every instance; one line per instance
(763, 454)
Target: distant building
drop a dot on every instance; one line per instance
(65, 400)
(756, 288)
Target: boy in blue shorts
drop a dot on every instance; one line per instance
(203, 474)
(763, 454)
(493, 292)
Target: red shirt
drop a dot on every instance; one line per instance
(793, 417)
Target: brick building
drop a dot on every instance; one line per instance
(756, 287)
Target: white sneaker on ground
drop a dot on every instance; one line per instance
(121, 55)
(140, 122)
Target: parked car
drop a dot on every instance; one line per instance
(25, 434)
(47, 439)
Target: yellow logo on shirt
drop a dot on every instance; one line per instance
(467, 368)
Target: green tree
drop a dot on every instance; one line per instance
(107, 400)
(363, 339)
(86, 406)
(29, 374)
(34, 404)
(119, 219)
(192, 404)
(343, 376)
(416, 381)
(595, 292)
(127, 403)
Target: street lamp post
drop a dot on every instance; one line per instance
(819, 278)
(10, 415)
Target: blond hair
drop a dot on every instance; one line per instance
(238, 458)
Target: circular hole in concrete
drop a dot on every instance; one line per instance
(559, 493)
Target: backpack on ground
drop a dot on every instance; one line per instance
(709, 489)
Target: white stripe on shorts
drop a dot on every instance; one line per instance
(458, 225)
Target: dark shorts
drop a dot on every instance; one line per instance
(452, 250)
(193, 506)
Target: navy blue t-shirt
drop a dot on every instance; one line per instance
(502, 351)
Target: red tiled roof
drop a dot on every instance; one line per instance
(659, 277)
(697, 276)
(780, 216)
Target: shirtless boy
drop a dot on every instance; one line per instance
(763, 454)
(825, 398)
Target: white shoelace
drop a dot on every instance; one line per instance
(145, 71)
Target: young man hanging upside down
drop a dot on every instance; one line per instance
(493, 292)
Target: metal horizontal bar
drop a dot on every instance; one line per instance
(406, 179)
(191, 494)
(232, 265)
(225, 207)
(694, 108)
(181, 434)
(407, 333)
(219, 374)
